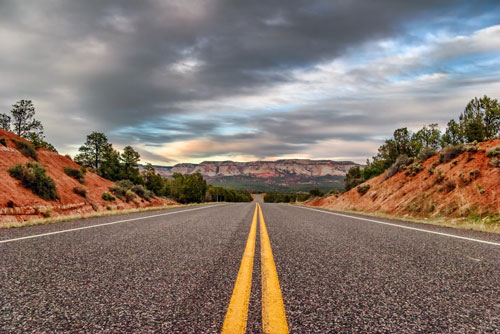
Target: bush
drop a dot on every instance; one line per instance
(82, 191)
(125, 184)
(3, 141)
(108, 197)
(76, 173)
(120, 188)
(26, 149)
(414, 169)
(316, 192)
(363, 189)
(493, 152)
(142, 192)
(130, 195)
(451, 152)
(33, 176)
(398, 165)
(425, 153)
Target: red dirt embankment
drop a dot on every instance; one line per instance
(19, 204)
(467, 185)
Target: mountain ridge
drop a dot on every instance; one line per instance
(260, 168)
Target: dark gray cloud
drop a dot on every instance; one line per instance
(134, 68)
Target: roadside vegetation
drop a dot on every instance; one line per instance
(33, 176)
(480, 121)
(76, 173)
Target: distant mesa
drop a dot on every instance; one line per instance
(262, 169)
(283, 175)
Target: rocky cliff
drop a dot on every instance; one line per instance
(262, 169)
(284, 175)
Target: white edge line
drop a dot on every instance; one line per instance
(402, 226)
(104, 224)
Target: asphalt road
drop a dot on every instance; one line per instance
(174, 271)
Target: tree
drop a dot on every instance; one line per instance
(188, 188)
(491, 117)
(353, 178)
(38, 140)
(110, 167)
(427, 137)
(481, 119)
(453, 134)
(94, 149)
(130, 159)
(23, 120)
(5, 122)
(152, 180)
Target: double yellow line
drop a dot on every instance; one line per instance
(273, 309)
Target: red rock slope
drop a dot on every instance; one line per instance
(467, 185)
(25, 205)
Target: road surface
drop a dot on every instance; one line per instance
(203, 270)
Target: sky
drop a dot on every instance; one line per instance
(189, 81)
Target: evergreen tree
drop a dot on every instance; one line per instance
(453, 134)
(152, 180)
(23, 120)
(110, 167)
(94, 149)
(130, 161)
(5, 122)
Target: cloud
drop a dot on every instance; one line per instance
(250, 79)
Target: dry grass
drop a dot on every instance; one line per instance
(471, 223)
(42, 221)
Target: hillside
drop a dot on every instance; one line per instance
(467, 186)
(291, 174)
(18, 203)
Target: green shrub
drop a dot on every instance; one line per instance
(108, 197)
(425, 153)
(130, 195)
(142, 192)
(126, 184)
(76, 173)
(316, 192)
(33, 176)
(451, 152)
(363, 189)
(82, 191)
(414, 169)
(26, 149)
(118, 191)
(3, 141)
(493, 152)
(401, 162)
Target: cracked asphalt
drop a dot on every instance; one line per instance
(175, 274)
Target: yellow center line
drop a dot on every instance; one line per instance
(237, 311)
(273, 308)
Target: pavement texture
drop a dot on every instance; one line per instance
(175, 274)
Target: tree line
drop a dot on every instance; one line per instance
(479, 121)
